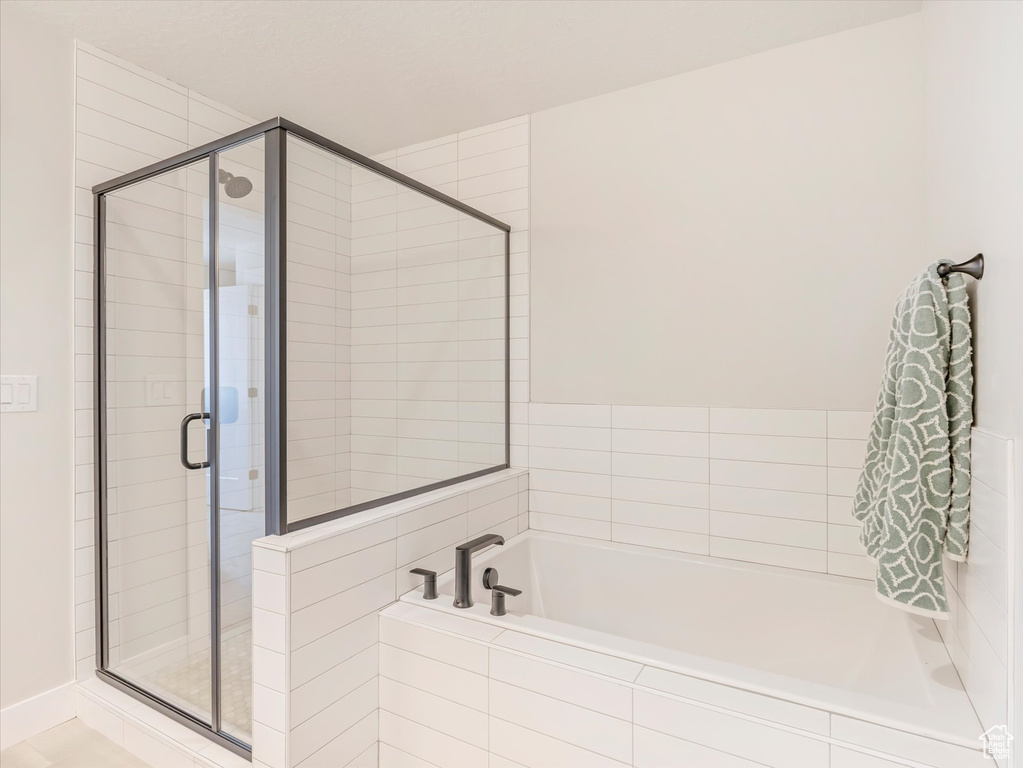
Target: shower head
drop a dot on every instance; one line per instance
(234, 186)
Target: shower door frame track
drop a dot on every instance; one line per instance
(275, 367)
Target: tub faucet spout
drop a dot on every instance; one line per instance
(463, 566)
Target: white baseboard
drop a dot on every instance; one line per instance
(40, 713)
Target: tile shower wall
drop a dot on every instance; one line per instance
(315, 603)
(978, 635)
(426, 286)
(126, 118)
(764, 486)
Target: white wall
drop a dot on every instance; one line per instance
(734, 236)
(723, 249)
(973, 202)
(36, 519)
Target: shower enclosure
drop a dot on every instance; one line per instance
(286, 332)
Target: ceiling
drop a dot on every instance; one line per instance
(379, 75)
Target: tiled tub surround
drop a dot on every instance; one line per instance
(979, 632)
(583, 672)
(316, 597)
(764, 486)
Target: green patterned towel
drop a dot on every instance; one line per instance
(913, 497)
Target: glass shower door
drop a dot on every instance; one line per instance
(182, 315)
(239, 354)
(158, 510)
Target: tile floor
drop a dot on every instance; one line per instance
(69, 745)
(187, 683)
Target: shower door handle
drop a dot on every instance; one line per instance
(184, 441)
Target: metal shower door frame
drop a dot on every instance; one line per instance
(278, 523)
(213, 729)
(274, 132)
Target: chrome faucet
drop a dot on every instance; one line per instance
(463, 566)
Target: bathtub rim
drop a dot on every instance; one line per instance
(961, 728)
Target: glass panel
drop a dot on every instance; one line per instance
(157, 511)
(318, 327)
(240, 322)
(396, 335)
(481, 345)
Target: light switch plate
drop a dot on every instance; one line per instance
(18, 394)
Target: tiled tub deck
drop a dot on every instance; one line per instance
(460, 688)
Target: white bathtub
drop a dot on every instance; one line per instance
(812, 639)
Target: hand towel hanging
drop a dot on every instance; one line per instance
(913, 496)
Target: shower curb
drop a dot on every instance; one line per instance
(143, 731)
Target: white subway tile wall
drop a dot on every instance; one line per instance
(456, 692)
(317, 645)
(978, 634)
(766, 486)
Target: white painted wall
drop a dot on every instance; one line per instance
(734, 236)
(973, 202)
(36, 302)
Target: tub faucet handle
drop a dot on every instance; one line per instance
(497, 608)
(429, 582)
